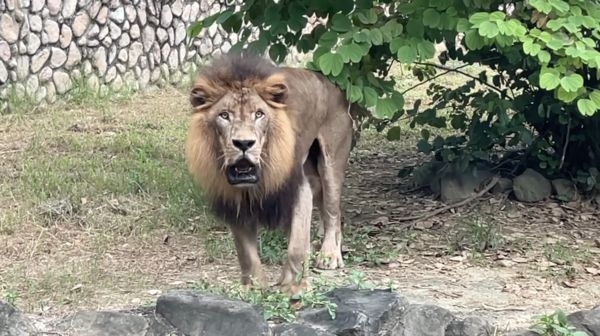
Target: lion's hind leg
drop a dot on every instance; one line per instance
(331, 168)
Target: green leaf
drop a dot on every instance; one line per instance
(431, 18)
(278, 52)
(398, 99)
(370, 96)
(328, 39)
(595, 97)
(376, 36)
(488, 29)
(479, 18)
(385, 108)
(355, 93)
(393, 133)
(331, 64)
(415, 28)
(586, 107)
(396, 44)
(531, 48)
(544, 57)
(407, 54)
(393, 28)
(195, 28)
(541, 5)
(497, 16)
(351, 52)
(426, 49)
(463, 25)
(367, 16)
(566, 96)
(473, 40)
(341, 23)
(362, 36)
(559, 5)
(572, 82)
(549, 78)
(423, 146)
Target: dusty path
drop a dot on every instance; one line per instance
(137, 230)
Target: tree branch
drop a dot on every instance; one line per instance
(462, 73)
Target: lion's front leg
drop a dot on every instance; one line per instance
(292, 277)
(245, 237)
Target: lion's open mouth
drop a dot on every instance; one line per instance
(242, 172)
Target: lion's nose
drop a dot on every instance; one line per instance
(243, 145)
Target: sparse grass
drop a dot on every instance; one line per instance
(369, 249)
(19, 102)
(562, 254)
(555, 324)
(477, 234)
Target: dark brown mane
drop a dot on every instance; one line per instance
(234, 69)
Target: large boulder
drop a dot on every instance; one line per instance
(531, 186)
(456, 185)
(13, 323)
(586, 320)
(564, 190)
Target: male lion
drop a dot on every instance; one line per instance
(264, 143)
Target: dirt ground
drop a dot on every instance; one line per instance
(132, 229)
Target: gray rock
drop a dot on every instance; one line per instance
(359, 312)
(40, 95)
(22, 67)
(177, 8)
(37, 5)
(155, 76)
(53, 6)
(225, 47)
(135, 52)
(171, 33)
(33, 43)
(145, 78)
(74, 56)
(93, 82)
(586, 320)
(179, 32)
(205, 47)
(3, 74)
(173, 59)
(118, 15)
(165, 51)
(130, 12)
(35, 23)
(92, 43)
(121, 67)
(100, 61)
(295, 329)
(81, 23)
(161, 35)
(112, 54)
(66, 36)
(182, 53)
(83, 3)
(565, 190)
(9, 28)
(457, 185)
(62, 82)
(31, 85)
(141, 13)
(471, 326)
(115, 30)
(111, 74)
(94, 9)
(148, 38)
(117, 84)
(103, 33)
(52, 31)
(93, 31)
(531, 186)
(45, 74)
(102, 16)
(134, 32)
(105, 323)
(200, 314)
(195, 10)
(217, 41)
(58, 58)
(124, 40)
(38, 60)
(155, 53)
(504, 184)
(425, 320)
(126, 26)
(13, 323)
(4, 51)
(122, 55)
(51, 95)
(69, 7)
(166, 16)
(57, 208)
(187, 10)
(87, 67)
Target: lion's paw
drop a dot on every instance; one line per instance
(330, 261)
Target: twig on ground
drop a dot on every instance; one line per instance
(487, 188)
(564, 151)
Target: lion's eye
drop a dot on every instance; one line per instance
(259, 114)
(224, 115)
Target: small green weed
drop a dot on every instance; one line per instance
(555, 324)
(477, 234)
(272, 246)
(11, 297)
(368, 249)
(560, 253)
(19, 102)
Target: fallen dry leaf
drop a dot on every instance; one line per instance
(505, 263)
(76, 288)
(569, 284)
(592, 270)
(520, 260)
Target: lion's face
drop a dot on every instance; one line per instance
(241, 122)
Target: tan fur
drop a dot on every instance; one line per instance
(305, 109)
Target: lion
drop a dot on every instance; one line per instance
(265, 144)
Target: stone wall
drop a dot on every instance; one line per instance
(48, 46)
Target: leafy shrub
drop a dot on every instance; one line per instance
(540, 90)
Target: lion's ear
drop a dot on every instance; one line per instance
(274, 90)
(201, 95)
